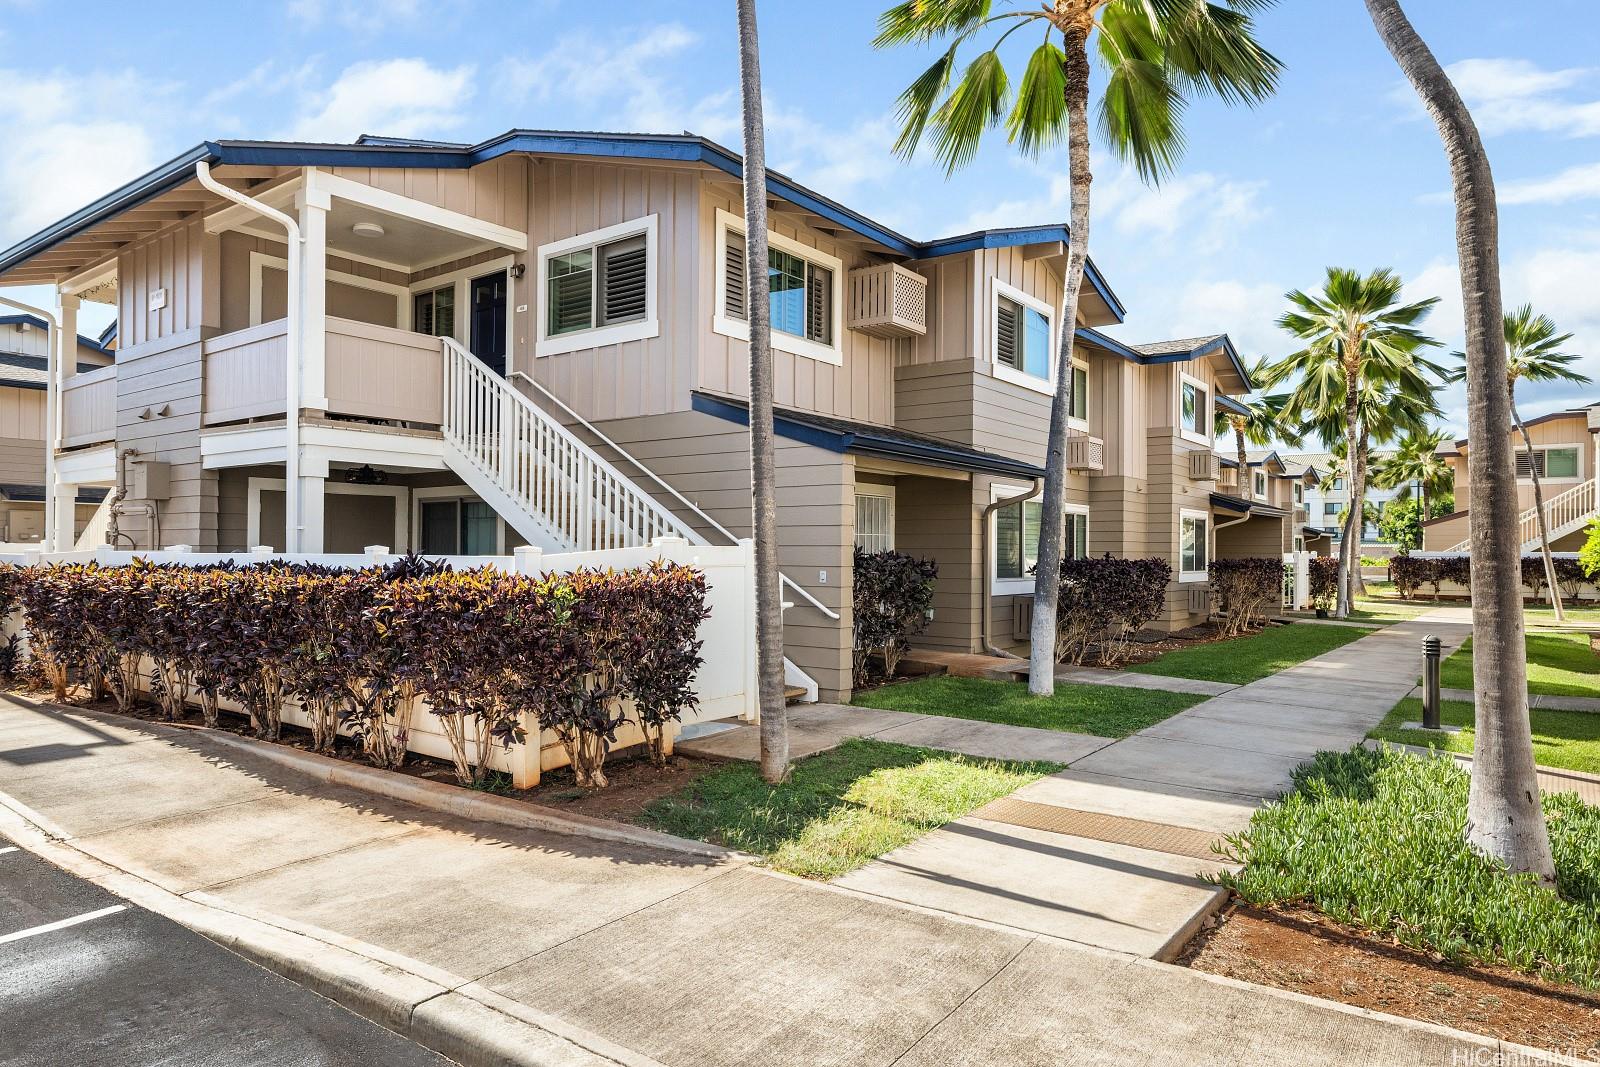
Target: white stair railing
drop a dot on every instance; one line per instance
(554, 488)
(1563, 513)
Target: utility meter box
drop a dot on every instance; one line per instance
(150, 479)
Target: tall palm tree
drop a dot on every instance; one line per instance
(1361, 378)
(1261, 423)
(1157, 55)
(1533, 353)
(764, 503)
(1416, 463)
(1504, 816)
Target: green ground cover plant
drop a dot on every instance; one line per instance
(1375, 839)
(840, 808)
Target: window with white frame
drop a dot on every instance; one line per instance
(1079, 415)
(1261, 485)
(599, 288)
(1299, 492)
(1194, 552)
(1077, 534)
(1015, 534)
(1194, 409)
(1024, 339)
(1547, 463)
(805, 309)
(875, 519)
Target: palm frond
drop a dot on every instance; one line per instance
(920, 21)
(1039, 119)
(974, 106)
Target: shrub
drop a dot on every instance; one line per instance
(1324, 581)
(1533, 575)
(1589, 554)
(1244, 588)
(1409, 573)
(893, 597)
(1107, 601)
(1570, 577)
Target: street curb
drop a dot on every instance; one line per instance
(434, 796)
(1184, 934)
(455, 1018)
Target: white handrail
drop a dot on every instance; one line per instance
(1564, 509)
(663, 483)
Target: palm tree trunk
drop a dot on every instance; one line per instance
(1358, 487)
(1352, 518)
(1047, 582)
(764, 505)
(1538, 508)
(1504, 817)
(1244, 455)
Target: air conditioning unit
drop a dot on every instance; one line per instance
(1021, 618)
(1085, 453)
(888, 301)
(1200, 601)
(1204, 466)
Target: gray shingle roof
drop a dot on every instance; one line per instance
(1174, 347)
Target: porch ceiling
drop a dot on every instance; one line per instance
(406, 243)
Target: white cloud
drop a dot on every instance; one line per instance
(403, 97)
(1575, 183)
(1246, 312)
(70, 139)
(1515, 95)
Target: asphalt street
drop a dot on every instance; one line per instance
(89, 980)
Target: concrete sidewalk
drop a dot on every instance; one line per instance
(531, 947)
(1109, 852)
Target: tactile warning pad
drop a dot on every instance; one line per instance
(1116, 829)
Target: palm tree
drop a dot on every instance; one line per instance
(1362, 378)
(1260, 423)
(1157, 54)
(764, 505)
(1504, 816)
(1533, 353)
(1417, 464)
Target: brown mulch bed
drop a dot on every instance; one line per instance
(633, 780)
(1301, 950)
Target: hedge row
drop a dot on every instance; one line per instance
(1104, 603)
(1411, 573)
(893, 602)
(1243, 589)
(582, 651)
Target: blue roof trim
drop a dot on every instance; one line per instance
(840, 442)
(1231, 406)
(1010, 237)
(1110, 344)
(1222, 344)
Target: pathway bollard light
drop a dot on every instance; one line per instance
(1431, 649)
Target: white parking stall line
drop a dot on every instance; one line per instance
(61, 924)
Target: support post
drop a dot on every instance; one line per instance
(311, 521)
(311, 205)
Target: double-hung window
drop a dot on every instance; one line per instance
(875, 519)
(1194, 553)
(1016, 540)
(599, 288)
(1261, 485)
(1547, 463)
(1024, 336)
(803, 283)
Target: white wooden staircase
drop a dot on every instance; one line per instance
(1564, 513)
(553, 488)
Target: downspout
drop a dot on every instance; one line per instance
(986, 607)
(293, 343)
(52, 414)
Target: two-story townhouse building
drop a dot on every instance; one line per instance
(1330, 499)
(542, 339)
(24, 359)
(1566, 456)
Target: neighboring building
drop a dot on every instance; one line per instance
(1329, 501)
(24, 355)
(1566, 454)
(542, 339)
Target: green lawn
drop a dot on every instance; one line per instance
(1559, 664)
(1569, 739)
(1388, 609)
(1582, 616)
(1248, 659)
(1375, 839)
(1102, 710)
(840, 808)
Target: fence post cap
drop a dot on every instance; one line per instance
(527, 559)
(178, 548)
(376, 550)
(261, 550)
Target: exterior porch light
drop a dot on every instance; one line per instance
(367, 229)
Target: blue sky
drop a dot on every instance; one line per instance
(1341, 167)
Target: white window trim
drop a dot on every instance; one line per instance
(601, 336)
(1077, 509)
(1189, 577)
(1545, 479)
(260, 261)
(255, 486)
(1264, 481)
(739, 329)
(1207, 420)
(1299, 494)
(999, 586)
(1076, 423)
(1045, 385)
(462, 280)
(452, 492)
(886, 492)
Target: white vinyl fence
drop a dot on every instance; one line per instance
(725, 686)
